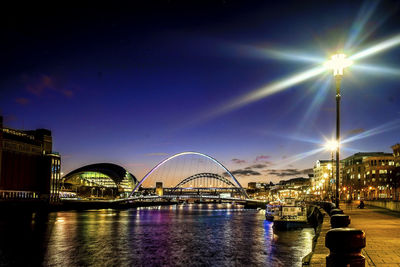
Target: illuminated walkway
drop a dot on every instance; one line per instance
(382, 231)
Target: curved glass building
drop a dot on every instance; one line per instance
(99, 181)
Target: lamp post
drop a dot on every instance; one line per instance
(337, 63)
(331, 146)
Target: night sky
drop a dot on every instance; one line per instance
(135, 83)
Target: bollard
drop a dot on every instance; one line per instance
(340, 220)
(345, 246)
(336, 211)
(330, 206)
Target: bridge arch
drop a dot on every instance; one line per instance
(190, 153)
(204, 175)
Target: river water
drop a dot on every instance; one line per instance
(190, 235)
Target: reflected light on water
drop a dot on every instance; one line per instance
(218, 235)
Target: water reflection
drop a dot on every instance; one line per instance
(180, 236)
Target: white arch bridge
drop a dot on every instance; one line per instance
(220, 184)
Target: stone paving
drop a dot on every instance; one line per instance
(382, 229)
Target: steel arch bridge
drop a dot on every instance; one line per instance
(193, 177)
(204, 175)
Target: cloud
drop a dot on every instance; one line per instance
(356, 131)
(262, 157)
(239, 161)
(157, 154)
(290, 172)
(243, 172)
(257, 166)
(45, 83)
(22, 101)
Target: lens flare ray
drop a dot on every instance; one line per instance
(365, 13)
(301, 156)
(378, 70)
(270, 89)
(295, 79)
(378, 48)
(291, 56)
(389, 126)
(281, 54)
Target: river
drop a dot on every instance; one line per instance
(189, 235)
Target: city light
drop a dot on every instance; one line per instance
(338, 63)
(331, 145)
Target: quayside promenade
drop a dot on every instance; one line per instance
(382, 228)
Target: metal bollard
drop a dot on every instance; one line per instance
(345, 246)
(340, 220)
(336, 211)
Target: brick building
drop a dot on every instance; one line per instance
(29, 169)
(368, 175)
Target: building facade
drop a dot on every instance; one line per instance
(323, 182)
(396, 171)
(29, 169)
(368, 176)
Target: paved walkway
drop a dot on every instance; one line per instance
(382, 229)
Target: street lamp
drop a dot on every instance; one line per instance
(332, 146)
(337, 63)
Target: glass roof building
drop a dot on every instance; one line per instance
(100, 180)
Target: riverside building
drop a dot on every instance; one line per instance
(29, 169)
(323, 181)
(396, 171)
(368, 176)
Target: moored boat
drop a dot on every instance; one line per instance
(270, 210)
(292, 214)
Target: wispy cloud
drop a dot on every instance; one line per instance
(262, 158)
(289, 172)
(243, 172)
(355, 131)
(238, 161)
(257, 166)
(41, 84)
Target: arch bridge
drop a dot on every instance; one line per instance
(200, 184)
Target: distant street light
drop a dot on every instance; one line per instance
(331, 146)
(337, 63)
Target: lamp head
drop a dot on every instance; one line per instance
(337, 63)
(332, 145)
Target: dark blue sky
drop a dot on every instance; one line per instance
(133, 83)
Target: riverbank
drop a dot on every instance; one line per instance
(319, 252)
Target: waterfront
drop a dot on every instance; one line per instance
(195, 235)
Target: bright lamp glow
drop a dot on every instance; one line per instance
(337, 63)
(332, 145)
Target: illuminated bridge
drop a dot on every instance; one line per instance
(189, 175)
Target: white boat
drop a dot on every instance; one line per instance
(270, 210)
(291, 214)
